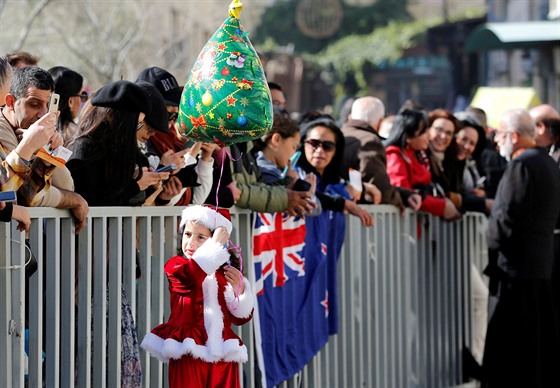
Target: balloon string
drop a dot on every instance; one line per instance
(223, 156)
(225, 152)
(236, 248)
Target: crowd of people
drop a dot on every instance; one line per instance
(436, 161)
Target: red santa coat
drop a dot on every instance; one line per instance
(203, 308)
(405, 170)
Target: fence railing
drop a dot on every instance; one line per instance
(404, 298)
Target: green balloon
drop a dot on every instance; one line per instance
(226, 98)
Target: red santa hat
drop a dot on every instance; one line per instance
(208, 216)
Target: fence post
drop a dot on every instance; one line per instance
(12, 305)
(5, 307)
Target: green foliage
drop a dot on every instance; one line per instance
(348, 57)
(469, 13)
(384, 44)
(279, 23)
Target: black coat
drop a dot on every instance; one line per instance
(364, 152)
(491, 165)
(90, 166)
(523, 340)
(524, 214)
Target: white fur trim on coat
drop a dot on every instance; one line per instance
(164, 350)
(216, 349)
(154, 345)
(213, 316)
(206, 216)
(210, 256)
(243, 307)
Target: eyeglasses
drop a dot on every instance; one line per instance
(327, 145)
(443, 131)
(172, 116)
(83, 96)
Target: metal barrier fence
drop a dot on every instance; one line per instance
(404, 298)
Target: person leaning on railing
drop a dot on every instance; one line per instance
(407, 164)
(28, 99)
(170, 147)
(274, 154)
(258, 196)
(9, 211)
(466, 191)
(322, 147)
(15, 167)
(155, 120)
(364, 152)
(104, 164)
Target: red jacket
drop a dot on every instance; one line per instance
(405, 170)
(203, 308)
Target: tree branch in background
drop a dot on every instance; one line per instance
(29, 23)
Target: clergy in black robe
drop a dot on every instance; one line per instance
(523, 340)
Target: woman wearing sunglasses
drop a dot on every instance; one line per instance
(68, 84)
(322, 147)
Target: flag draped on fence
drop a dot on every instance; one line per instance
(295, 280)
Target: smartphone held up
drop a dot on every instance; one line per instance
(53, 103)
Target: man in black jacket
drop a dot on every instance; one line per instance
(522, 343)
(547, 135)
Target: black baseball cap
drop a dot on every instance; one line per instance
(164, 82)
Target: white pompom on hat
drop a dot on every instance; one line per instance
(207, 216)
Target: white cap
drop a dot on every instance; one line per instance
(207, 216)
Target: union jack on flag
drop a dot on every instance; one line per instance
(278, 242)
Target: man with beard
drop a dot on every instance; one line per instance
(522, 342)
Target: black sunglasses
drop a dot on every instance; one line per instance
(172, 116)
(83, 96)
(327, 145)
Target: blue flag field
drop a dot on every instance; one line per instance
(295, 282)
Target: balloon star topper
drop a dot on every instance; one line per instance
(226, 98)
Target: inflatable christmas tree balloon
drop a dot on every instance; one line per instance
(226, 98)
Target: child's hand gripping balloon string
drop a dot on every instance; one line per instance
(233, 275)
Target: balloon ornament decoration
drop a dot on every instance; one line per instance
(226, 98)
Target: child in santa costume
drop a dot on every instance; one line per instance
(208, 294)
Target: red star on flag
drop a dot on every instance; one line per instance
(325, 303)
